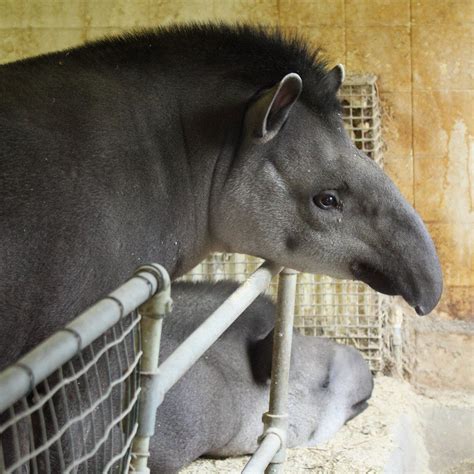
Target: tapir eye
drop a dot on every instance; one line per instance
(326, 381)
(327, 200)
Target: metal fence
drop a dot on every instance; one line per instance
(347, 311)
(362, 115)
(85, 400)
(71, 404)
(92, 398)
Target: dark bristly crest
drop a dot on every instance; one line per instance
(252, 54)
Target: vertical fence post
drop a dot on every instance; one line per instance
(277, 417)
(272, 449)
(152, 312)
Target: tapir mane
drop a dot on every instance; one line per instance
(254, 55)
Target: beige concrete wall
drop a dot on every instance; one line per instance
(422, 51)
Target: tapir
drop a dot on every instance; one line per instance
(164, 145)
(216, 408)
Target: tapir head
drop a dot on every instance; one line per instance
(301, 194)
(330, 384)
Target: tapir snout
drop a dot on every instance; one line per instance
(400, 257)
(348, 386)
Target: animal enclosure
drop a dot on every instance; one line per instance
(85, 400)
(77, 411)
(74, 398)
(347, 311)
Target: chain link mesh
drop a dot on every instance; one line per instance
(82, 418)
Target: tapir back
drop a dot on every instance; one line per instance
(82, 202)
(194, 302)
(205, 410)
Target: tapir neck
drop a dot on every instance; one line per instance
(189, 150)
(154, 135)
(153, 147)
(195, 134)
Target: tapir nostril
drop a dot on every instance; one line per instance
(360, 406)
(420, 310)
(357, 409)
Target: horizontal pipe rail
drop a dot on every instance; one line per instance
(265, 452)
(183, 358)
(18, 379)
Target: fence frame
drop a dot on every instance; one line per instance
(163, 377)
(152, 311)
(17, 380)
(271, 453)
(149, 291)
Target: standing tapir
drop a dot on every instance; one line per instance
(166, 145)
(216, 408)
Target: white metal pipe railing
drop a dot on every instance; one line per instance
(149, 290)
(152, 311)
(18, 379)
(271, 453)
(157, 381)
(264, 454)
(183, 358)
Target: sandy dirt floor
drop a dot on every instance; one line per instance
(376, 441)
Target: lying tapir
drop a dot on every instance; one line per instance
(216, 408)
(166, 145)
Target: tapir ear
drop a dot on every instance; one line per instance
(335, 77)
(269, 111)
(260, 358)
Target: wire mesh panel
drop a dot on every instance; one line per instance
(81, 418)
(347, 311)
(362, 115)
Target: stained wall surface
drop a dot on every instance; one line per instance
(422, 52)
